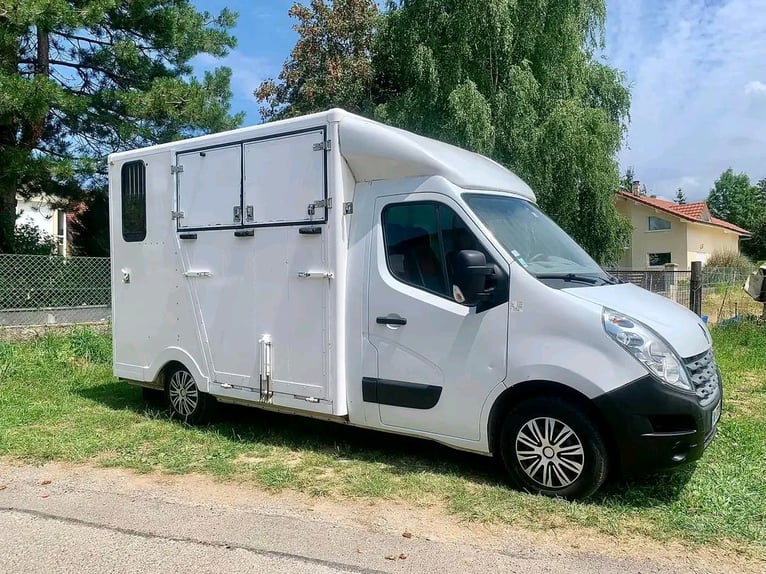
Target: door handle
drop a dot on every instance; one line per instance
(391, 321)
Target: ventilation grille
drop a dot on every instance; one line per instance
(703, 373)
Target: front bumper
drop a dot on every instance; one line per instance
(655, 428)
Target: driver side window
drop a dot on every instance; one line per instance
(422, 240)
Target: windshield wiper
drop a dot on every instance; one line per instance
(573, 277)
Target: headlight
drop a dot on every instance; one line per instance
(646, 346)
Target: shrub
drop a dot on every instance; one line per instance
(29, 240)
(729, 260)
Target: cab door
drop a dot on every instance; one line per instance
(437, 359)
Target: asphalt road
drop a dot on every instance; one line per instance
(59, 519)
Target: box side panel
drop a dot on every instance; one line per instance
(153, 319)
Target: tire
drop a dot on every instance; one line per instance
(532, 439)
(187, 403)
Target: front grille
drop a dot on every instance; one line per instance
(703, 373)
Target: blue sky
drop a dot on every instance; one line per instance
(696, 68)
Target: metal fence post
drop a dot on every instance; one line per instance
(671, 282)
(695, 288)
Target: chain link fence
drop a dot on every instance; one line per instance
(723, 295)
(674, 285)
(54, 290)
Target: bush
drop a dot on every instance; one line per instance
(29, 240)
(729, 260)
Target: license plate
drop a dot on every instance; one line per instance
(716, 414)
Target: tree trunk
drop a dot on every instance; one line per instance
(43, 52)
(31, 131)
(7, 216)
(33, 128)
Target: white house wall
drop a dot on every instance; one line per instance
(703, 240)
(643, 241)
(40, 215)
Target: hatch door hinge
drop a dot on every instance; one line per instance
(325, 203)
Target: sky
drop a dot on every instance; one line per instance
(696, 70)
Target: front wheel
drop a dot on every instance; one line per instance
(185, 399)
(550, 446)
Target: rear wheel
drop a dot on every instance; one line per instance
(186, 401)
(550, 447)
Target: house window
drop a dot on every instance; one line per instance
(134, 201)
(658, 259)
(658, 224)
(60, 231)
(60, 222)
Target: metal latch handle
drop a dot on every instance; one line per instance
(265, 369)
(314, 275)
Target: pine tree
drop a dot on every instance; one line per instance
(82, 78)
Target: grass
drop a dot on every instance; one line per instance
(726, 301)
(59, 401)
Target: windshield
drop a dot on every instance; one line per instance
(534, 240)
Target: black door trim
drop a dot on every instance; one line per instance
(391, 321)
(400, 393)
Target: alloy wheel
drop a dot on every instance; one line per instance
(183, 393)
(550, 452)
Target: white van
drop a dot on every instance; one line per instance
(334, 267)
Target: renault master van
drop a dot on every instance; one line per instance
(334, 267)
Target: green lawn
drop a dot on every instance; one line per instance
(58, 401)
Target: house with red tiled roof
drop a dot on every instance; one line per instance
(666, 232)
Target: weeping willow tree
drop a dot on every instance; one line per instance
(517, 80)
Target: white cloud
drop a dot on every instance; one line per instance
(687, 62)
(755, 88)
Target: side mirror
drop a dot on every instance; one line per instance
(471, 273)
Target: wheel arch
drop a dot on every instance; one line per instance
(526, 390)
(167, 370)
(172, 357)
